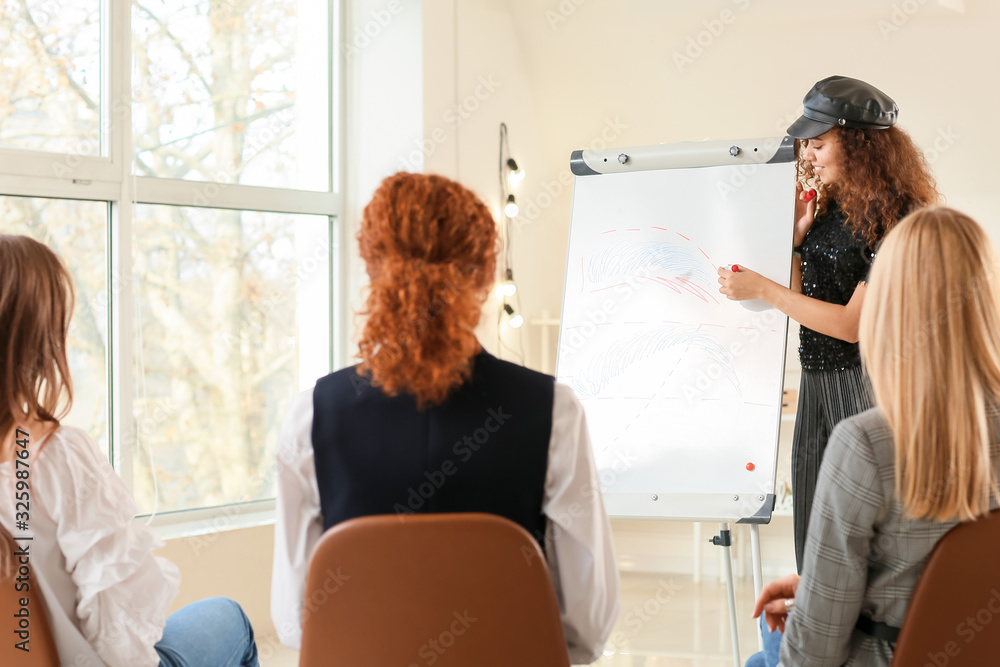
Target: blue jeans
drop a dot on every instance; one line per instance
(209, 633)
(772, 647)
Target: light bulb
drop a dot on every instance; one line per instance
(515, 320)
(508, 288)
(510, 210)
(516, 174)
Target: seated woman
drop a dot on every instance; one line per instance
(898, 477)
(105, 593)
(430, 422)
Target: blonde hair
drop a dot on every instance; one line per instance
(36, 301)
(930, 341)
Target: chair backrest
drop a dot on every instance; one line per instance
(444, 589)
(20, 608)
(953, 617)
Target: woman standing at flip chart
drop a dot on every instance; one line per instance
(858, 175)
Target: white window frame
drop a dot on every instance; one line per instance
(109, 179)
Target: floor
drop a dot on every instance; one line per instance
(665, 621)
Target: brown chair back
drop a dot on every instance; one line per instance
(452, 590)
(40, 644)
(953, 617)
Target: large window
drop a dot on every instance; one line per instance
(50, 75)
(234, 92)
(180, 156)
(228, 305)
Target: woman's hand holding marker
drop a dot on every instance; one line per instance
(750, 285)
(741, 284)
(805, 212)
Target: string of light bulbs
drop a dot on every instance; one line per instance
(510, 174)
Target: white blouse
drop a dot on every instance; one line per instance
(578, 543)
(105, 592)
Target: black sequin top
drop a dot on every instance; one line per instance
(834, 261)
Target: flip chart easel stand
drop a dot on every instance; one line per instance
(724, 540)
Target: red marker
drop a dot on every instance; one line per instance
(810, 195)
(735, 268)
(750, 467)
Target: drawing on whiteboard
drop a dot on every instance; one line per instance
(680, 386)
(667, 264)
(637, 349)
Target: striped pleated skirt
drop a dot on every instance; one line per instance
(825, 398)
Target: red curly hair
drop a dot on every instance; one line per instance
(430, 247)
(883, 178)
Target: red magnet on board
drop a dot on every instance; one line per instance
(735, 268)
(750, 467)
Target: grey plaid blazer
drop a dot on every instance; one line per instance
(863, 556)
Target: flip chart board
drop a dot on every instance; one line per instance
(681, 386)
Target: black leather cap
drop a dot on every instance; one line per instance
(843, 101)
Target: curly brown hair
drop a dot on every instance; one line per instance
(883, 178)
(430, 247)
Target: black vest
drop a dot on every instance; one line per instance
(485, 449)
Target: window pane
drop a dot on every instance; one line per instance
(232, 92)
(77, 231)
(232, 320)
(50, 75)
